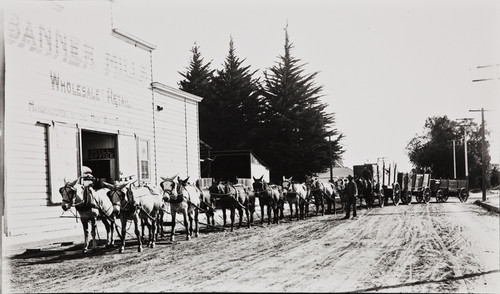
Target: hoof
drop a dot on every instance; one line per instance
(188, 238)
(85, 250)
(121, 250)
(153, 245)
(139, 249)
(196, 235)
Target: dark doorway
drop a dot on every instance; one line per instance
(99, 153)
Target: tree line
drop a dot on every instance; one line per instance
(280, 117)
(432, 151)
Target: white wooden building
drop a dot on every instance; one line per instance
(79, 95)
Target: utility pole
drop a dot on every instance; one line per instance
(465, 125)
(483, 152)
(454, 162)
(331, 160)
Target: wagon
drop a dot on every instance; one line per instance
(419, 185)
(404, 181)
(444, 188)
(384, 187)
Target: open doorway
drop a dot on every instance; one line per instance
(99, 153)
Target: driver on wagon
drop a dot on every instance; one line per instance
(87, 178)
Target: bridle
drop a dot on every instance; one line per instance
(68, 194)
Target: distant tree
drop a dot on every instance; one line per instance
(433, 150)
(495, 177)
(235, 104)
(197, 81)
(293, 139)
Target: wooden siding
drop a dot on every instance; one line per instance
(177, 137)
(59, 72)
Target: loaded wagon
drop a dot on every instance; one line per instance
(419, 185)
(444, 188)
(405, 184)
(383, 185)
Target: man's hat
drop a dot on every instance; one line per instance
(87, 173)
(349, 177)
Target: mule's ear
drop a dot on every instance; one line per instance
(284, 179)
(71, 184)
(254, 178)
(163, 179)
(186, 179)
(291, 178)
(107, 185)
(261, 177)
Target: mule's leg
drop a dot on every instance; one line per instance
(297, 209)
(137, 232)
(172, 231)
(108, 227)
(291, 209)
(333, 203)
(124, 231)
(85, 225)
(232, 217)
(224, 215)
(269, 214)
(196, 223)
(190, 217)
(240, 213)
(262, 212)
(247, 212)
(93, 223)
(152, 234)
(186, 224)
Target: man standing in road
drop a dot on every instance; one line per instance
(352, 191)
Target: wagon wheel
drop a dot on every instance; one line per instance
(463, 195)
(381, 197)
(427, 195)
(419, 196)
(445, 197)
(439, 196)
(396, 194)
(408, 197)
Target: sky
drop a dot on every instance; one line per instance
(385, 66)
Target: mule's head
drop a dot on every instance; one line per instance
(216, 189)
(117, 196)
(259, 184)
(286, 185)
(68, 192)
(169, 187)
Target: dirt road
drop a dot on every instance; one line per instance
(450, 247)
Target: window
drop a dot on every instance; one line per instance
(144, 159)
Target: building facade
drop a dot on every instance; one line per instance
(82, 95)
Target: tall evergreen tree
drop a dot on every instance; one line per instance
(197, 81)
(296, 127)
(236, 102)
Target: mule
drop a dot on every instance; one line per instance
(340, 190)
(321, 192)
(365, 191)
(207, 203)
(270, 196)
(184, 198)
(291, 196)
(237, 199)
(92, 205)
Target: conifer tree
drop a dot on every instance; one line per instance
(197, 81)
(236, 102)
(296, 127)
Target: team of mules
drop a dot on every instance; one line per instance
(145, 206)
